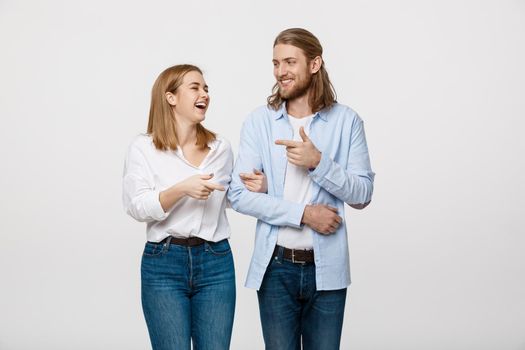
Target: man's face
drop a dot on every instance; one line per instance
(291, 70)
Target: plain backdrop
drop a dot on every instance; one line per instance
(437, 259)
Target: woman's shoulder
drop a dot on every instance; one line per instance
(141, 141)
(222, 142)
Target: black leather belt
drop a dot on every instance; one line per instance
(297, 256)
(187, 242)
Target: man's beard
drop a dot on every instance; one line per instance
(299, 90)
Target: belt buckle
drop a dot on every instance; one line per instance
(296, 261)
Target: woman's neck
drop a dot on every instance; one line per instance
(186, 133)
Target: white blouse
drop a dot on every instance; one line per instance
(148, 171)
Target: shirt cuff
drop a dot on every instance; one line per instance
(153, 206)
(322, 168)
(296, 215)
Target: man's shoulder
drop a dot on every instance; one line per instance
(342, 110)
(343, 115)
(260, 114)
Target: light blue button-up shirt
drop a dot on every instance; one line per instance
(343, 176)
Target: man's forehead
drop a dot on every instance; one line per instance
(283, 51)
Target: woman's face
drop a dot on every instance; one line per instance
(191, 100)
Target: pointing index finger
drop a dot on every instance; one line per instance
(213, 186)
(248, 176)
(288, 143)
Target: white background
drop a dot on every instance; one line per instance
(437, 259)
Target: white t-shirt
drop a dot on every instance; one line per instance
(297, 188)
(148, 171)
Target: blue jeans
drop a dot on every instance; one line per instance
(291, 308)
(188, 293)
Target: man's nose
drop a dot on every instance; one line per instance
(281, 71)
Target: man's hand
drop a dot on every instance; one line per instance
(301, 153)
(321, 218)
(255, 182)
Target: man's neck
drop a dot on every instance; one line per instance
(299, 107)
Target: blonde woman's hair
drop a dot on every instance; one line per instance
(161, 125)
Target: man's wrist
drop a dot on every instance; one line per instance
(316, 162)
(306, 214)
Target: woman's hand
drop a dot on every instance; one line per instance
(255, 182)
(196, 186)
(199, 186)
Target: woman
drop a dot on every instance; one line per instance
(175, 179)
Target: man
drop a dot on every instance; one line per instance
(314, 154)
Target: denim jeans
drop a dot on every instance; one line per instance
(292, 310)
(188, 293)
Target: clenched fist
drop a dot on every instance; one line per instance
(321, 218)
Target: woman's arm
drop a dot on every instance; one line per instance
(196, 186)
(139, 194)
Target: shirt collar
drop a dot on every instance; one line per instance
(281, 112)
(214, 144)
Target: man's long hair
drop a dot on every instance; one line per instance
(322, 92)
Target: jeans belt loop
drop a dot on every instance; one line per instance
(168, 242)
(280, 254)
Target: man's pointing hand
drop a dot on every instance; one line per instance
(301, 153)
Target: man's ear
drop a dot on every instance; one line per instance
(316, 64)
(171, 98)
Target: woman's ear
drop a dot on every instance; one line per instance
(171, 98)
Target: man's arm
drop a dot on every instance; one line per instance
(354, 183)
(272, 210)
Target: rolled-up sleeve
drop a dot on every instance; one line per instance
(139, 195)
